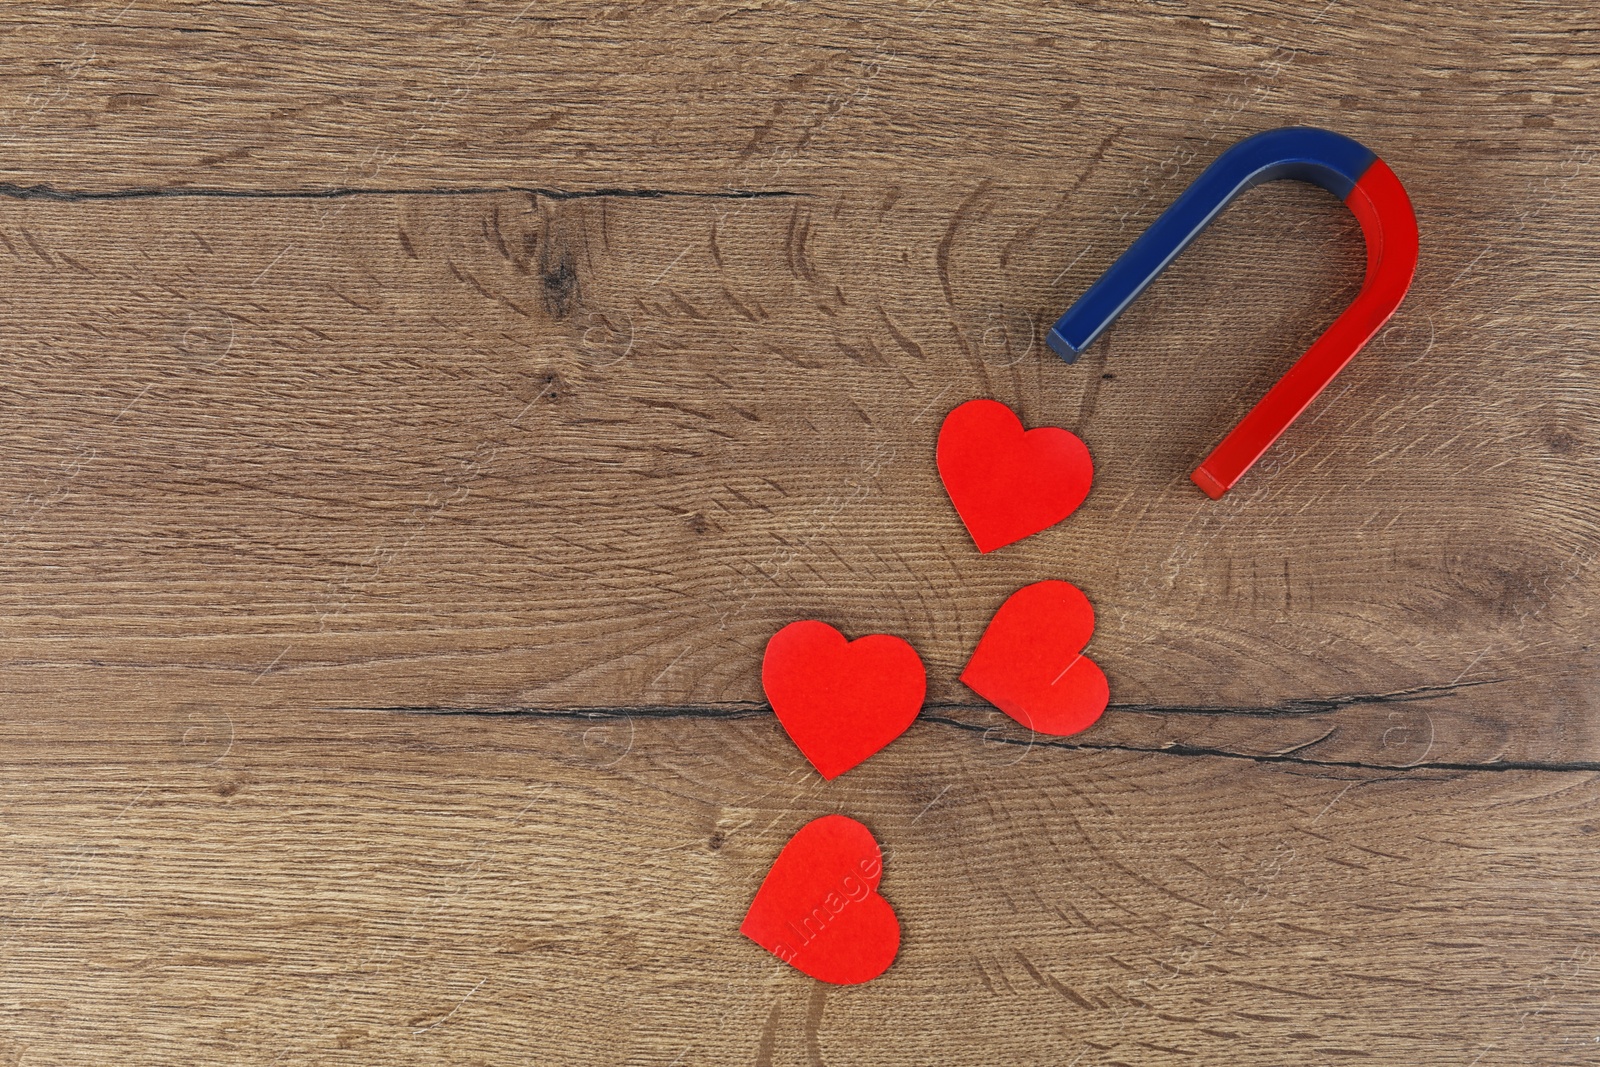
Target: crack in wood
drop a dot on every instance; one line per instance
(1181, 749)
(931, 714)
(69, 196)
(1311, 705)
(745, 708)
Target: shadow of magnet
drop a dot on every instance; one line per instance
(1343, 167)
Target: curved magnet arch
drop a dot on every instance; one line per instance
(1345, 168)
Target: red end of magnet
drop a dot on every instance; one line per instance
(1380, 202)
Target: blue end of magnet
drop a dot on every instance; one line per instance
(1060, 347)
(1304, 153)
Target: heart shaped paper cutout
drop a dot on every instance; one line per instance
(839, 700)
(819, 909)
(1030, 663)
(1007, 484)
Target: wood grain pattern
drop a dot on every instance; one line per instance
(376, 888)
(543, 360)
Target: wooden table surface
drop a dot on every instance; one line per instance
(416, 418)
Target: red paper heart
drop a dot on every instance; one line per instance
(839, 700)
(1007, 484)
(1030, 663)
(819, 908)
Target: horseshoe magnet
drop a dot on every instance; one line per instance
(1345, 168)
